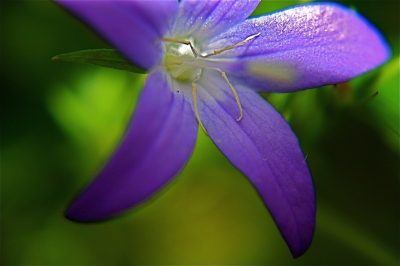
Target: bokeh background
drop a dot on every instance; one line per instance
(60, 122)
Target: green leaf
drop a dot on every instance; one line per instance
(101, 57)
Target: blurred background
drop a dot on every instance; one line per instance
(60, 122)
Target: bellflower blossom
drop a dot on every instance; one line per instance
(206, 63)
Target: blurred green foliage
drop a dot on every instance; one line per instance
(60, 122)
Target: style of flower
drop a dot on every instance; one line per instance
(206, 63)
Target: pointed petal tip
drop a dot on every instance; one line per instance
(78, 214)
(300, 250)
(297, 254)
(77, 218)
(83, 220)
(74, 214)
(300, 243)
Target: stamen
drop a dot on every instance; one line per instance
(194, 95)
(196, 110)
(233, 46)
(168, 39)
(234, 94)
(194, 85)
(173, 64)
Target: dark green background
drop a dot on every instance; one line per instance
(60, 121)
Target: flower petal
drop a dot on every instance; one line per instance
(302, 47)
(263, 146)
(157, 144)
(203, 19)
(132, 27)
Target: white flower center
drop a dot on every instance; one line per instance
(180, 61)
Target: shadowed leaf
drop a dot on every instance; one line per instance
(101, 57)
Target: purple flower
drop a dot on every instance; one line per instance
(206, 63)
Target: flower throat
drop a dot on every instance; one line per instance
(183, 62)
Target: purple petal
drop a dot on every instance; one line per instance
(157, 144)
(132, 27)
(263, 146)
(203, 19)
(302, 47)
